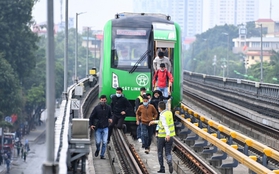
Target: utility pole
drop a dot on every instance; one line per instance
(66, 51)
(214, 64)
(76, 48)
(261, 53)
(95, 51)
(50, 166)
(207, 67)
(193, 50)
(87, 52)
(227, 66)
(228, 37)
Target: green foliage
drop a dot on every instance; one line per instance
(253, 30)
(11, 100)
(5, 124)
(17, 59)
(81, 60)
(214, 43)
(17, 41)
(270, 69)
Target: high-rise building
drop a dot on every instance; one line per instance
(187, 13)
(193, 15)
(233, 12)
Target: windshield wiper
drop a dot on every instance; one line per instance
(139, 61)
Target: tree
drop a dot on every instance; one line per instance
(213, 42)
(17, 48)
(17, 41)
(10, 93)
(253, 30)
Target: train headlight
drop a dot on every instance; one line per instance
(115, 83)
(171, 35)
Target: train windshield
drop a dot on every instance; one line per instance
(127, 51)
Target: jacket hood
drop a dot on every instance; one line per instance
(157, 91)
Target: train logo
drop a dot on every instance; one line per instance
(142, 79)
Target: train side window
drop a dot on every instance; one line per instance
(114, 58)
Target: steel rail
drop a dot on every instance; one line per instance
(127, 156)
(195, 163)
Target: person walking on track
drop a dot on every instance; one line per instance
(100, 119)
(166, 132)
(138, 102)
(120, 106)
(146, 113)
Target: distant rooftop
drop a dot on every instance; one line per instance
(160, 15)
(257, 53)
(264, 20)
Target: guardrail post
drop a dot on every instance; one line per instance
(185, 132)
(216, 159)
(199, 145)
(190, 140)
(248, 143)
(246, 148)
(227, 168)
(207, 153)
(230, 141)
(264, 160)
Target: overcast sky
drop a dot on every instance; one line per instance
(98, 12)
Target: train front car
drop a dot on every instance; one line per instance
(129, 48)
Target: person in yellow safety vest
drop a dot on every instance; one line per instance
(166, 133)
(138, 102)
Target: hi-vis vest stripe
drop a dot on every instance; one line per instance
(140, 98)
(170, 123)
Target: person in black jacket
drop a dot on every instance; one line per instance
(119, 106)
(99, 121)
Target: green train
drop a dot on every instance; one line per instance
(130, 45)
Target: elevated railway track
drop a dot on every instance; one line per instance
(133, 162)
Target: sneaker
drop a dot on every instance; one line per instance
(102, 157)
(139, 140)
(147, 151)
(170, 168)
(161, 171)
(96, 153)
(124, 128)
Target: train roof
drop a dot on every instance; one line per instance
(140, 20)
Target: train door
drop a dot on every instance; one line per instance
(164, 40)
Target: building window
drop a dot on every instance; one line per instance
(265, 44)
(256, 44)
(252, 57)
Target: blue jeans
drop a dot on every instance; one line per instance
(8, 165)
(146, 135)
(139, 131)
(101, 134)
(161, 144)
(164, 91)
